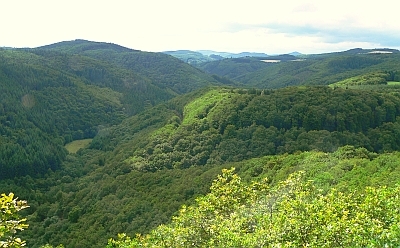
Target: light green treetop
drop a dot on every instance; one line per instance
(292, 214)
(10, 221)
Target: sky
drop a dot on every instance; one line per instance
(272, 27)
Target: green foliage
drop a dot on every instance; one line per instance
(200, 107)
(292, 214)
(85, 203)
(139, 170)
(225, 125)
(70, 91)
(50, 246)
(10, 221)
(79, 205)
(43, 107)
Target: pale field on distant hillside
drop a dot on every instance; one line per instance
(75, 145)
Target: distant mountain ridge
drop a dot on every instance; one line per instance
(375, 50)
(199, 57)
(190, 57)
(232, 55)
(312, 69)
(202, 56)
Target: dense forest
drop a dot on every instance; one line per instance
(50, 98)
(256, 123)
(293, 213)
(164, 135)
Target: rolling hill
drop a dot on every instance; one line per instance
(55, 94)
(136, 174)
(320, 69)
(160, 132)
(162, 70)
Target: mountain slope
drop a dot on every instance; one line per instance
(149, 155)
(161, 69)
(224, 125)
(136, 174)
(85, 212)
(319, 70)
(44, 107)
(294, 212)
(137, 90)
(71, 90)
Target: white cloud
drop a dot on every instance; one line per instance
(156, 25)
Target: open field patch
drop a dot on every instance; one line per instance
(75, 145)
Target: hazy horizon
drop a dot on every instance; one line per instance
(305, 26)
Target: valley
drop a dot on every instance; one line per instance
(106, 143)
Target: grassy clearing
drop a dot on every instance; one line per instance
(393, 83)
(75, 145)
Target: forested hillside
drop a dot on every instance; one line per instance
(85, 212)
(321, 69)
(224, 125)
(50, 98)
(161, 131)
(161, 69)
(43, 108)
(135, 175)
(293, 213)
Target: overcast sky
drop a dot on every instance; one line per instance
(279, 26)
